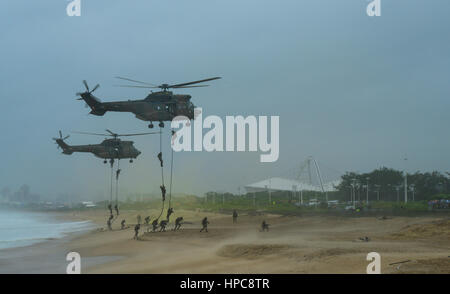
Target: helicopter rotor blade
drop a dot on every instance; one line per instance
(86, 133)
(95, 88)
(86, 85)
(60, 134)
(194, 82)
(139, 134)
(66, 137)
(130, 86)
(182, 87)
(112, 134)
(135, 81)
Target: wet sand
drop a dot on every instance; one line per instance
(313, 244)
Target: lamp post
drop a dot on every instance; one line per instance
(358, 187)
(378, 192)
(353, 191)
(301, 196)
(367, 191)
(412, 187)
(406, 183)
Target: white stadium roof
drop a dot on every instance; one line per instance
(280, 184)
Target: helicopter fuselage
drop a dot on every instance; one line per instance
(157, 106)
(108, 149)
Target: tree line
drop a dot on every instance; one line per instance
(387, 184)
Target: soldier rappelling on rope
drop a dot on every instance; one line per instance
(116, 207)
(109, 222)
(160, 158)
(169, 212)
(163, 192)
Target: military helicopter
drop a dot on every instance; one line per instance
(157, 106)
(108, 149)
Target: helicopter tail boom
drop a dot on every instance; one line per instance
(64, 146)
(94, 103)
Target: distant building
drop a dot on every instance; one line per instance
(88, 204)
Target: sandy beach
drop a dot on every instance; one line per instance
(313, 244)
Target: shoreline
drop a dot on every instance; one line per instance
(46, 255)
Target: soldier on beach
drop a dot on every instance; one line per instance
(110, 208)
(205, 223)
(122, 224)
(235, 216)
(163, 225)
(265, 226)
(178, 223)
(117, 209)
(136, 231)
(147, 220)
(155, 225)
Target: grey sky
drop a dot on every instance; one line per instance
(353, 91)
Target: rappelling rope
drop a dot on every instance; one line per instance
(106, 195)
(162, 172)
(111, 184)
(171, 171)
(117, 182)
(117, 190)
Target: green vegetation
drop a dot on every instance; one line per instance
(282, 203)
(387, 184)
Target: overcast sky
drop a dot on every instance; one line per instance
(353, 91)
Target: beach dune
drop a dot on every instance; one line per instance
(313, 244)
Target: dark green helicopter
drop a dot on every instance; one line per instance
(108, 149)
(157, 106)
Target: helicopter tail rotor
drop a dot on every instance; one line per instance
(90, 100)
(87, 87)
(61, 144)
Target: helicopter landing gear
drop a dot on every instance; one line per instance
(111, 161)
(161, 124)
(104, 161)
(131, 160)
(150, 125)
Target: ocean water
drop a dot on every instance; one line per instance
(23, 228)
